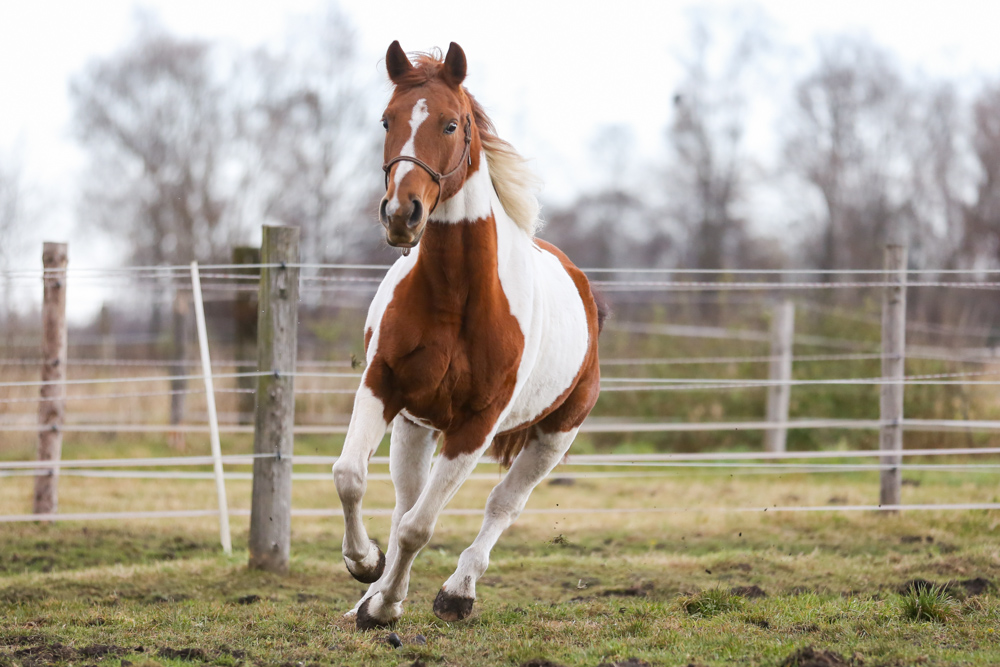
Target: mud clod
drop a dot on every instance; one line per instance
(248, 599)
(394, 640)
(808, 656)
(190, 653)
(628, 662)
(959, 588)
(749, 592)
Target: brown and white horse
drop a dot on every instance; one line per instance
(481, 335)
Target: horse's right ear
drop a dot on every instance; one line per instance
(396, 62)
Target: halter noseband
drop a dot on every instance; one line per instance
(435, 176)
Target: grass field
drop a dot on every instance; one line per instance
(682, 585)
(572, 589)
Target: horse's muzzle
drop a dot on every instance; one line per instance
(405, 225)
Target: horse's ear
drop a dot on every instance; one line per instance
(396, 62)
(454, 65)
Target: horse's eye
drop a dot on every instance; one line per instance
(450, 129)
(385, 124)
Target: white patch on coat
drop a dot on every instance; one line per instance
(386, 290)
(550, 311)
(417, 117)
(470, 203)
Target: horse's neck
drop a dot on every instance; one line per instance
(459, 253)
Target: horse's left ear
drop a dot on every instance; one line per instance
(454, 65)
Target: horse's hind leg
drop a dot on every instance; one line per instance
(455, 599)
(410, 452)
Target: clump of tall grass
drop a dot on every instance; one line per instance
(710, 603)
(931, 603)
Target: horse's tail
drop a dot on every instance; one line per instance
(507, 446)
(603, 309)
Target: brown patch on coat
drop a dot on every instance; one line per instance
(449, 347)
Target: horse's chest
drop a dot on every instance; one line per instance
(446, 375)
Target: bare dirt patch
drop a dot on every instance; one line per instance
(808, 656)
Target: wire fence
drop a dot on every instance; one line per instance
(232, 278)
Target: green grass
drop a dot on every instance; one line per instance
(576, 590)
(712, 602)
(931, 603)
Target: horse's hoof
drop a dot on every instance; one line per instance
(450, 607)
(365, 621)
(369, 570)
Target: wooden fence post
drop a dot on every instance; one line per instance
(893, 350)
(779, 393)
(52, 406)
(245, 333)
(277, 328)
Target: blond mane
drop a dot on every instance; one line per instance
(514, 181)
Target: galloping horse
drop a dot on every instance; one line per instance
(481, 335)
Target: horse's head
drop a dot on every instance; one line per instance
(429, 140)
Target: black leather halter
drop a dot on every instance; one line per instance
(435, 176)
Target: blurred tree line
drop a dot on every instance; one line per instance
(193, 144)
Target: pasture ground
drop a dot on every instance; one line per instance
(572, 589)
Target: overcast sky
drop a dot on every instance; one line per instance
(551, 73)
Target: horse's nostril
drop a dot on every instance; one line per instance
(417, 214)
(382, 216)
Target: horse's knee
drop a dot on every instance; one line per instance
(349, 480)
(414, 535)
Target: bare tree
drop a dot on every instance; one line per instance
(982, 216)
(12, 218)
(153, 117)
(939, 152)
(313, 139)
(846, 138)
(708, 165)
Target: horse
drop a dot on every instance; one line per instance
(480, 334)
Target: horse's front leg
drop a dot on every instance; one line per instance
(362, 556)
(417, 525)
(410, 452)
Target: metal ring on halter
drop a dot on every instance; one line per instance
(435, 176)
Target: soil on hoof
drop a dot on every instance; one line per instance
(367, 577)
(365, 621)
(452, 607)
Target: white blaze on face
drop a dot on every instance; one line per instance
(417, 117)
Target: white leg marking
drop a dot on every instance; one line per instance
(416, 528)
(505, 504)
(410, 452)
(417, 117)
(350, 472)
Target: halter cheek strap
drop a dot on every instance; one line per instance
(435, 176)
